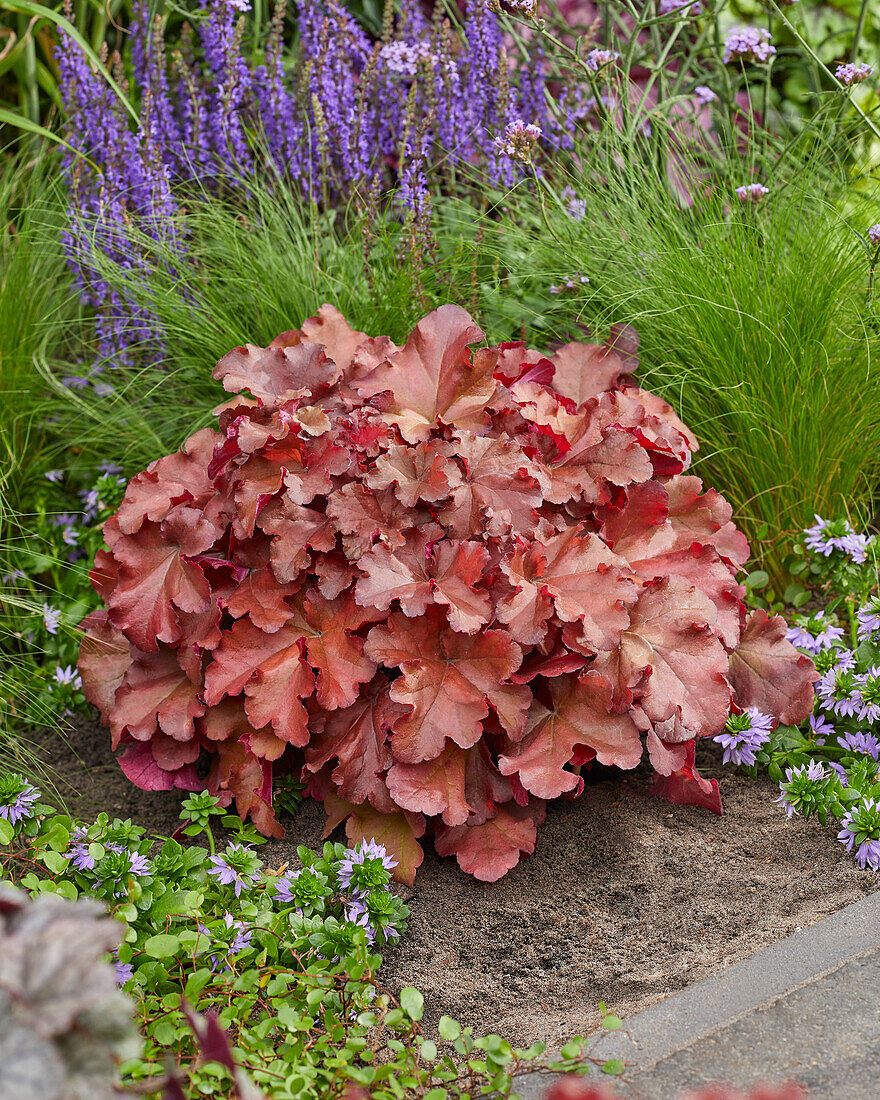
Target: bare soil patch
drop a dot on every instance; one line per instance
(626, 899)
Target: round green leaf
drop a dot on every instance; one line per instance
(449, 1029)
(7, 832)
(412, 1002)
(162, 946)
(429, 1050)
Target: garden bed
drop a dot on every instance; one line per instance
(625, 900)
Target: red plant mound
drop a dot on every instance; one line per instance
(438, 581)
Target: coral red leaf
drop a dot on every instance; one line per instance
(686, 787)
(448, 679)
(432, 379)
(488, 851)
(588, 586)
(499, 490)
(104, 657)
(424, 472)
(274, 375)
(140, 767)
(582, 371)
(687, 693)
(357, 737)
(767, 671)
(580, 714)
(262, 599)
(169, 480)
(434, 787)
(156, 694)
(153, 581)
(295, 530)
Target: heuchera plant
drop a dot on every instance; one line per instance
(438, 581)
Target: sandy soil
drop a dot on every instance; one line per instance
(626, 899)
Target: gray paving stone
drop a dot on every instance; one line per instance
(806, 1007)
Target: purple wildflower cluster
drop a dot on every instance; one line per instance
(860, 828)
(348, 115)
(855, 72)
(599, 59)
(704, 95)
(874, 234)
(813, 633)
(748, 44)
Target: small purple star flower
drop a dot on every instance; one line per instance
(364, 867)
(861, 827)
(51, 618)
(869, 617)
(841, 771)
(355, 911)
(821, 728)
(814, 633)
(243, 934)
(17, 798)
(124, 971)
(865, 743)
(235, 868)
(78, 853)
(744, 735)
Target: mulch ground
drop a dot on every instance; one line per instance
(626, 899)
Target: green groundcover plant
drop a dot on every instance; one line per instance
(240, 973)
(828, 767)
(435, 581)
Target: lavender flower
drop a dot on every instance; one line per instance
(820, 728)
(355, 911)
(51, 618)
(813, 633)
(752, 192)
(827, 536)
(840, 770)
(868, 687)
(598, 59)
(237, 867)
(748, 44)
(799, 792)
(17, 798)
(243, 935)
(854, 73)
(744, 735)
(704, 94)
(861, 827)
(869, 617)
(78, 853)
(67, 675)
(667, 7)
(124, 971)
(865, 743)
(365, 867)
(54, 475)
(874, 233)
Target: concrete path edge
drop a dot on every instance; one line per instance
(699, 1010)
